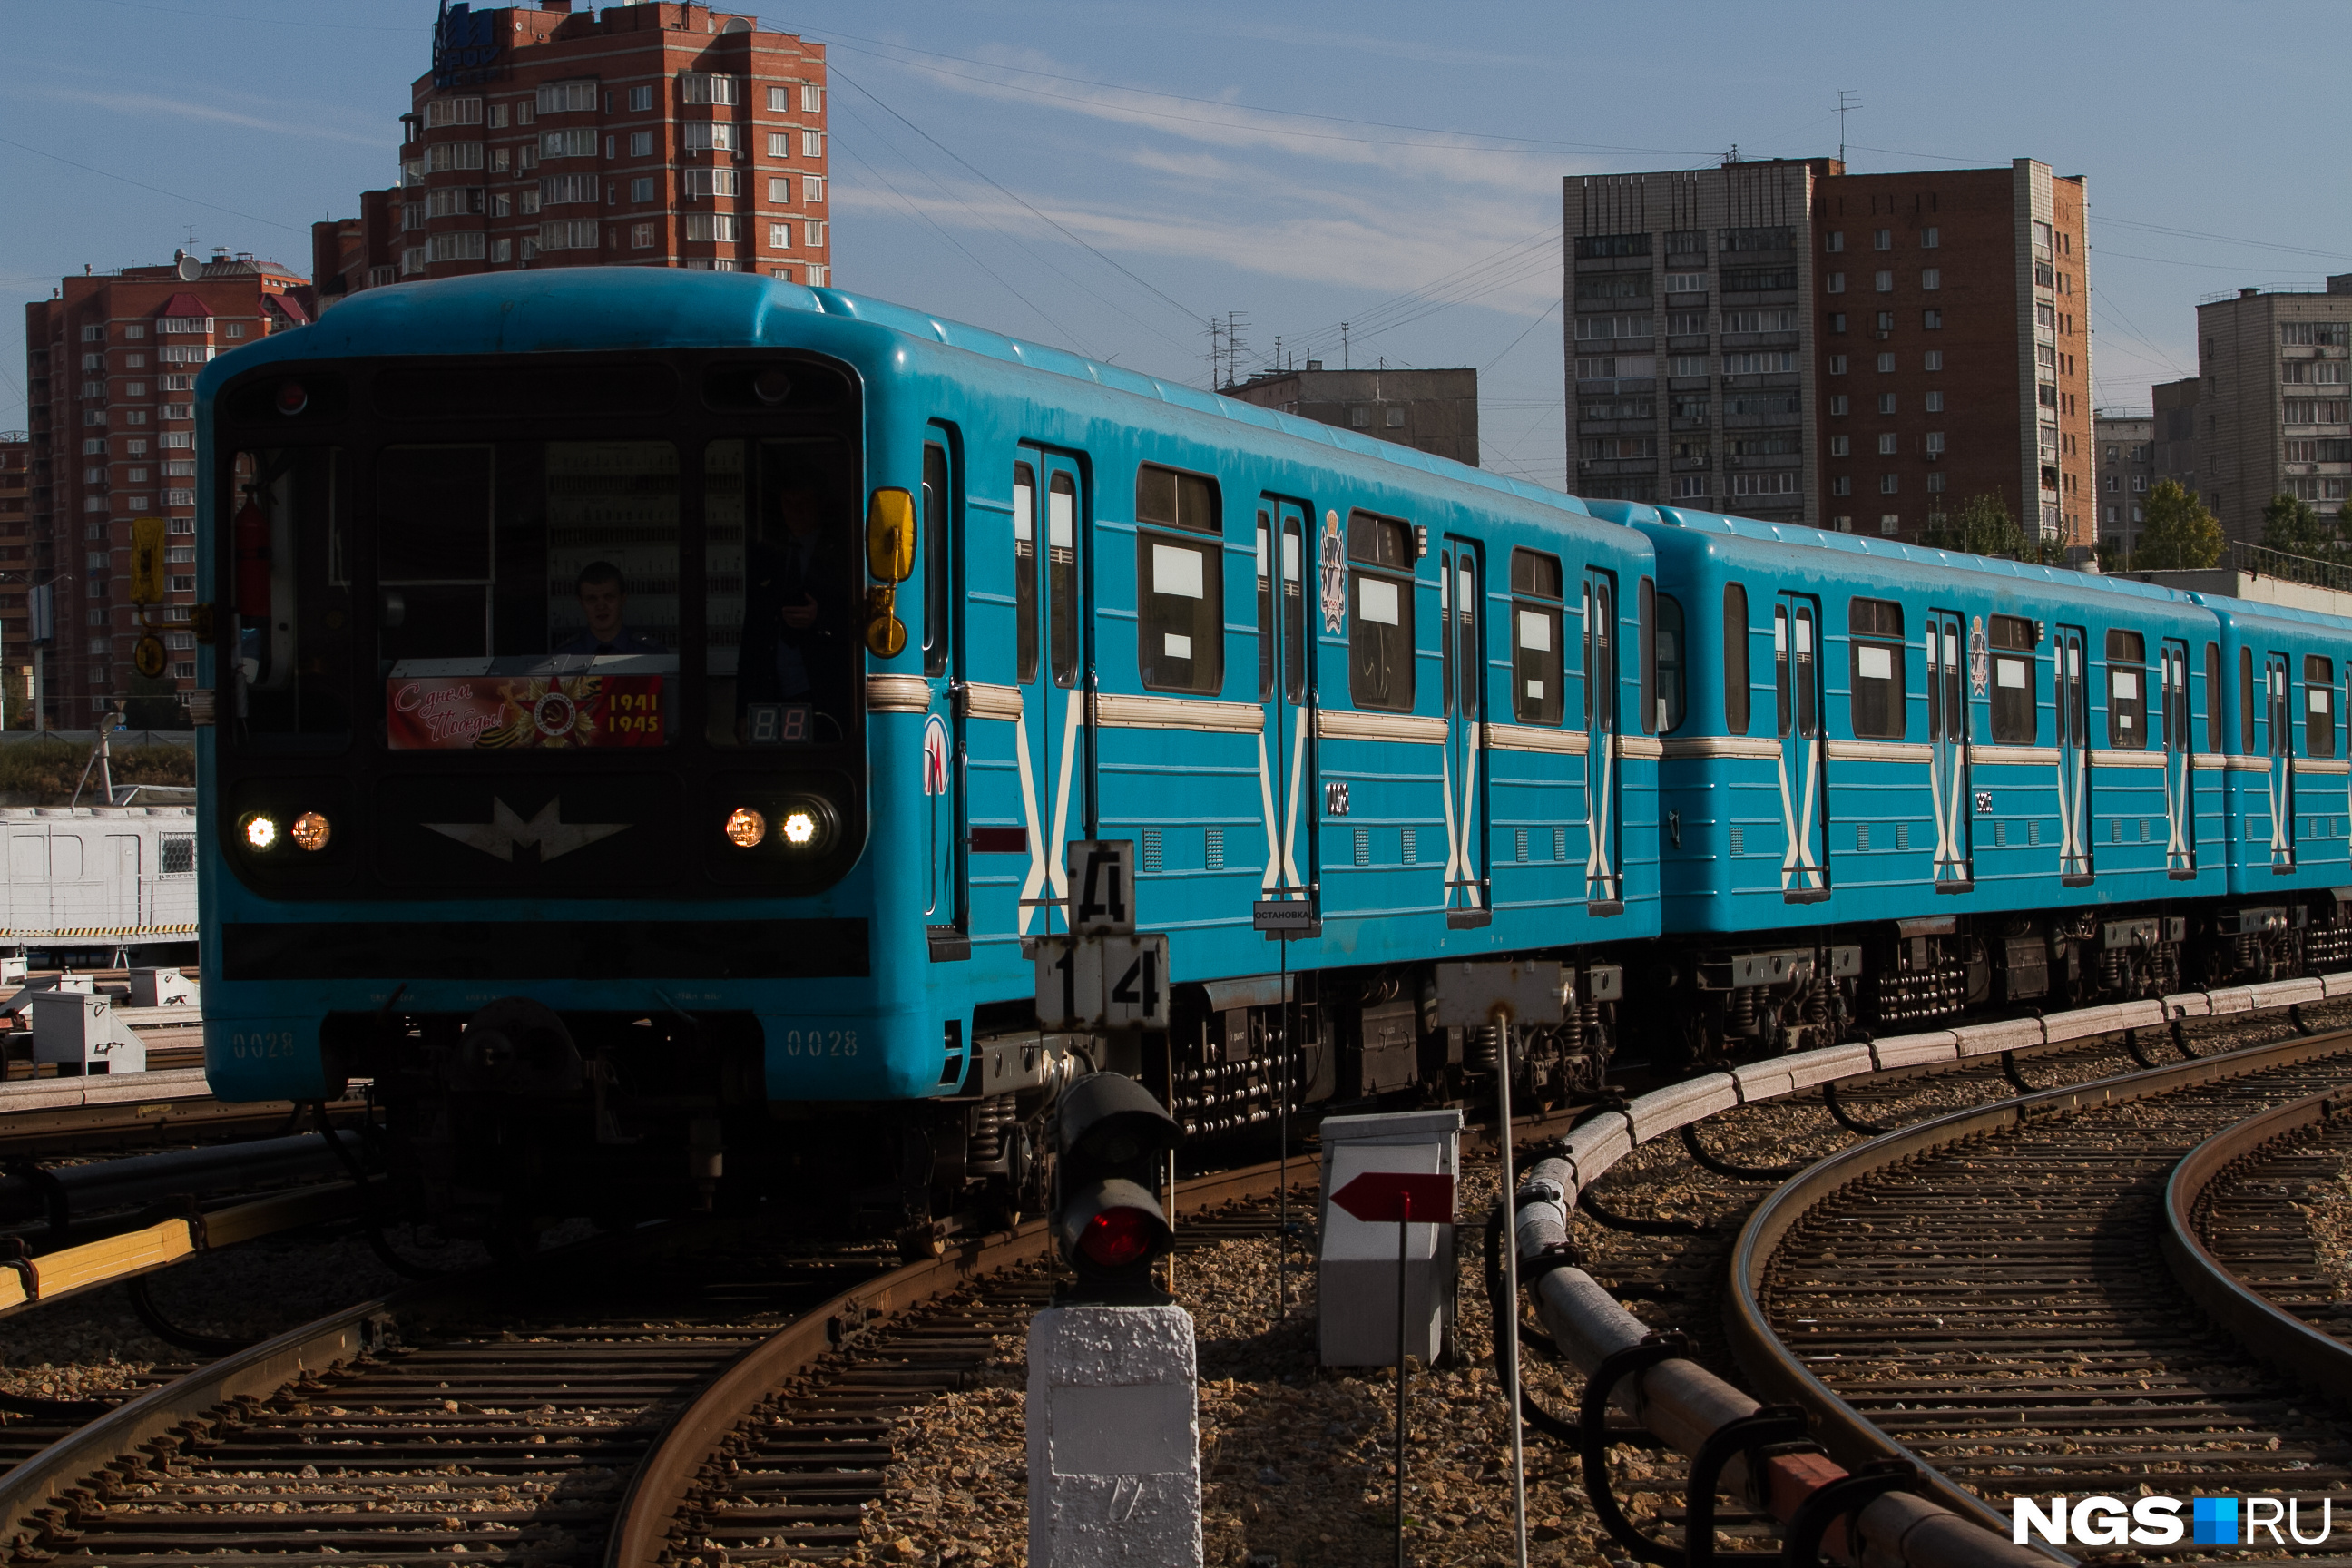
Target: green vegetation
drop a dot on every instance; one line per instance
(1983, 526)
(43, 773)
(2180, 534)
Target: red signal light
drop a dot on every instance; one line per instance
(292, 398)
(1116, 1237)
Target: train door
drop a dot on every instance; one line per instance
(1052, 741)
(1948, 740)
(947, 911)
(1286, 665)
(2180, 765)
(2280, 693)
(2071, 693)
(1805, 783)
(1603, 882)
(1460, 578)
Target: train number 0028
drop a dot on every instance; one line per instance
(821, 1043)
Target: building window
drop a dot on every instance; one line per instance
(444, 111)
(781, 274)
(1890, 522)
(780, 191)
(641, 237)
(1882, 240)
(1837, 364)
(2139, 484)
(1931, 278)
(817, 275)
(1889, 484)
(1686, 282)
(812, 144)
(1840, 445)
(1396, 418)
(812, 236)
(571, 234)
(567, 97)
(641, 99)
(780, 144)
(812, 188)
(812, 98)
(1935, 401)
(461, 247)
(567, 144)
(1837, 321)
(503, 250)
(1935, 443)
(1836, 283)
(1886, 403)
(710, 182)
(529, 200)
(558, 189)
(641, 144)
(712, 226)
(443, 156)
(780, 237)
(1885, 320)
(641, 189)
(701, 87)
(1690, 487)
(1884, 282)
(1359, 418)
(1837, 404)
(1889, 443)
(1833, 241)
(1932, 360)
(705, 136)
(1841, 485)
(1936, 483)
(1885, 364)
(1933, 320)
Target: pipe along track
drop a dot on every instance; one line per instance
(608, 1402)
(1984, 1295)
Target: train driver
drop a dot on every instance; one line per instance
(604, 603)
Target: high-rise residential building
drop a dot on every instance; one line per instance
(645, 135)
(2273, 409)
(2125, 458)
(16, 566)
(1782, 339)
(1433, 411)
(110, 368)
(2173, 451)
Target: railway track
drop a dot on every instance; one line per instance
(1987, 1293)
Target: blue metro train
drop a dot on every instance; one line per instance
(649, 710)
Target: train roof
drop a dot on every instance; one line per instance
(574, 310)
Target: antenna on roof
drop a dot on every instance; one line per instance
(1847, 103)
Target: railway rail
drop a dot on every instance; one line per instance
(600, 1407)
(1984, 1295)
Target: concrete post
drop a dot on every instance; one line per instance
(1114, 1438)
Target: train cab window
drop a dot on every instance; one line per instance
(2213, 697)
(1537, 648)
(2126, 690)
(1735, 658)
(1025, 574)
(939, 604)
(1178, 584)
(786, 587)
(1380, 639)
(2016, 697)
(1879, 703)
(2319, 705)
(1653, 705)
(553, 569)
(2246, 702)
(291, 594)
(1673, 680)
(1062, 577)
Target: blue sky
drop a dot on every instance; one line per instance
(1108, 176)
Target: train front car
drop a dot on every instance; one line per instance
(537, 785)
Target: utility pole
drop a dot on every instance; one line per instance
(1343, 346)
(1847, 104)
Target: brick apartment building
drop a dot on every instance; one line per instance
(1433, 411)
(648, 135)
(110, 368)
(15, 562)
(1783, 340)
(2270, 412)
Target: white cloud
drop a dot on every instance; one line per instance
(145, 103)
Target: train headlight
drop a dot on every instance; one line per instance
(310, 831)
(806, 824)
(745, 827)
(800, 828)
(260, 831)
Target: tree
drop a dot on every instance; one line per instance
(1983, 526)
(2294, 527)
(2180, 534)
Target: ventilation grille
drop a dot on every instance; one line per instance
(1212, 849)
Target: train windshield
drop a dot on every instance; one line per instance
(547, 594)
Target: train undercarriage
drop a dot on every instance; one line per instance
(497, 1123)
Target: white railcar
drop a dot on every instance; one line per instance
(104, 876)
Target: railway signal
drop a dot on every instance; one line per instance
(1113, 1139)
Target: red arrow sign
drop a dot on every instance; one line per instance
(1397, 1197)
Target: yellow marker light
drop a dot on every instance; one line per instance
(800, 828)
(260, 831)
(745, 827)
(311, 831)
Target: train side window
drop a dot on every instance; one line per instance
(1062, 577)
(1734, 657)
(1653, 705)
(1457, 597)
(1293, 612)
(1539, 694)
(2016, 701)
(1179, 584)
(2213, 696)
(2319, 705)
(1265, 632)
(1673, 690)
(2246, 702)
(938, 602)
(1879, 704)
(1024, 572)
(2126, 690)
(1380, 637)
